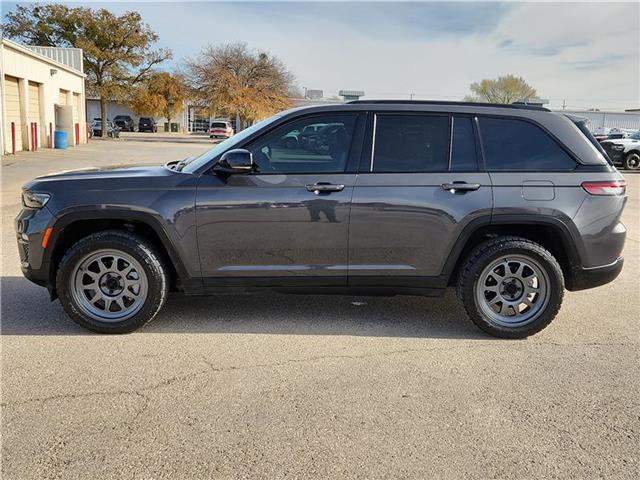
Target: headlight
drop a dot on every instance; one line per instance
(617, 147)
(35, 200)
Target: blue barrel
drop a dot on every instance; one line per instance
(60, 139)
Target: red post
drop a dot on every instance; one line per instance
(51, 145)
(35, 135)
(77, 133)
(13, 138)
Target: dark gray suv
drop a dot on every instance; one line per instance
(510, 204)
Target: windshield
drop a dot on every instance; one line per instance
(635, 136)
(197, 162)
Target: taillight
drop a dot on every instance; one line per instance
(614, 187)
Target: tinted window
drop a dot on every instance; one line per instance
(411, 143)
(511, 145)
(463, 151)
(218, 125)
(317, 144)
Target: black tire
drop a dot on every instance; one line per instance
(482, 257)
(136, 247)
(631, 161)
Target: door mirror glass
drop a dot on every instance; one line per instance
(235, 161)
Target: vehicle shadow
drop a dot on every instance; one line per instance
(26, 310)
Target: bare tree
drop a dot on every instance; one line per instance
(507, 89)
(235, 80)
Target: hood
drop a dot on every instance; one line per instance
(114, 171)
(621, 141)
(110, 178)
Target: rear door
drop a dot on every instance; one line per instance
(418, 186)
(287, 223)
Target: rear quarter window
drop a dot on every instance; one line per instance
(517, 145)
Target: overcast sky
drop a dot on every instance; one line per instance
(587, 54)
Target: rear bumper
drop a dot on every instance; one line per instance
(584, 278)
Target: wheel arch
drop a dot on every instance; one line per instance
(72, 226)
(561, 239)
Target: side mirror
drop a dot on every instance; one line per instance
(235, 161)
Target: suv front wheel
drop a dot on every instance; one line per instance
(111, 282)
(511, 287)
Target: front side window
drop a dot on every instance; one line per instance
(317, 144)
(411, 143)
(517, 145)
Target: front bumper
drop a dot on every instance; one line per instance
(30, 225)
(584, 278)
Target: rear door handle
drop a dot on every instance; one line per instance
(460, 187)
(319, 187)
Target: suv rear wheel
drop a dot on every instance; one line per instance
(111, 282)
(511, 287)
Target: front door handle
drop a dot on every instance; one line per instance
(320, 187)
(460, 187)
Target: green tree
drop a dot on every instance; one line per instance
(117, 50)
(507, 89)
(161, 94)
(237, 81)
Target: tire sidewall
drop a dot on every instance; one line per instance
(628, 158)
(151, 265)
(555, 289)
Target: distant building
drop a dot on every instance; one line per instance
(350, 95)
(42, 90)
(313, 94)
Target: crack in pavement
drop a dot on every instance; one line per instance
(212, 368)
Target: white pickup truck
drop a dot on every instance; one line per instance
(624, 151)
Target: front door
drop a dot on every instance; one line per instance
(419, 185)
(287, 223)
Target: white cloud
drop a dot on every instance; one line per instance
(586, 54)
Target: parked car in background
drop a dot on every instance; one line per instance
(308, 136)
(147, 124)
(112, 130)
(124, 122)
(510, 204)
(624, 151)
(290, 140)
(220, 129)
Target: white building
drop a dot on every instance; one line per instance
(42, 90)
(601, 122)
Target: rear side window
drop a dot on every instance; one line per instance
(463, 151)
(516, 145)
(411, 143)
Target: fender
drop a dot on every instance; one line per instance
(567, 230)
(192, 283)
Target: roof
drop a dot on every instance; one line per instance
(518, 106)
(26, 50)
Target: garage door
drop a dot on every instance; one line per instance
(76, 108)
(12, 99)
(34, 107)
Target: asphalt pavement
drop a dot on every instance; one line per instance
(274, 386)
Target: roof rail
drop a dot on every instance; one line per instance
(518, 106)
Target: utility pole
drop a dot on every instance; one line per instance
(564, 104)
(411, 96)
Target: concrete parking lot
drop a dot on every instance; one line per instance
(312, 387)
